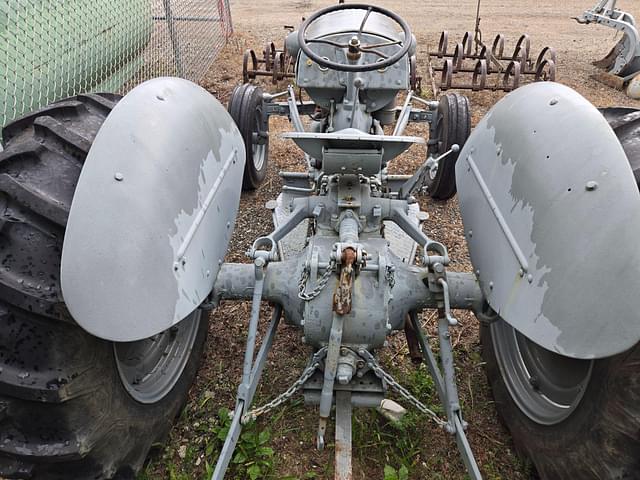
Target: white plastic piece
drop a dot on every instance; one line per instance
(391, 410)
(633, 89)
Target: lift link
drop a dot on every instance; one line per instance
(444, 375)
(252, 370)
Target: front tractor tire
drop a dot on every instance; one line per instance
(573, 419)
(72, 406)
(453, 126)
(246, 107)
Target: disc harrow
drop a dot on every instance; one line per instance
(473, 65)
(273, 62)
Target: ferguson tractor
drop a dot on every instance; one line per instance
(117, 213)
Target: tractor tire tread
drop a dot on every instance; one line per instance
(64, 412)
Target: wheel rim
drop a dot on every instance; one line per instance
(433, 169)
(259, 142)
(258, 155)
(150, 368)
(547, 387)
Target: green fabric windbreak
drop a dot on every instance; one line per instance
(51, 49)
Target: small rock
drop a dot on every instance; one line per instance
(182, 451)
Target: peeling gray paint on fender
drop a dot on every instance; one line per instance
(153, 211)
(552, 216)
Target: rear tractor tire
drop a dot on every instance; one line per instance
(453, 126)
(72, 406)
(246, 107)
(573, 419)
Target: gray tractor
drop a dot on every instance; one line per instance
(118, 213)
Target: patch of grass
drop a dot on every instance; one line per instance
(253, 457)
(391, 473)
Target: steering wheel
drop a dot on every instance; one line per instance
(354, 48)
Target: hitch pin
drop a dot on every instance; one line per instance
(451, 320)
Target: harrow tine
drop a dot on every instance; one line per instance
(551, 52)
(521, 52)
(458, 57)
(497, 47)
(275, 63)
(546, 71)
(479, 81)
(245, 67)
(447, 72)
(249, 73)
(513, 70)
(442, 44)
(467, 43)
(267, 56)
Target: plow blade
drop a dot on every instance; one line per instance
(552, 217)
(609, 60)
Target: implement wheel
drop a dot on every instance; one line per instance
(453, 126)
(246, 108)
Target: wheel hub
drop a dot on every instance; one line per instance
(546, 386)
(150, 368)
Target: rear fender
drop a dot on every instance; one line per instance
(552, 218)
(153, 211)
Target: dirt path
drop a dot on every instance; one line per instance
(426, 451)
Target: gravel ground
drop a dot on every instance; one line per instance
(431, 453)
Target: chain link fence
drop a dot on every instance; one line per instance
(51, 49)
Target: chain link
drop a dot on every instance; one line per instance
(283, 397)
(322, 282)
(394, 385)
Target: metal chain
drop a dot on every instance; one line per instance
(394, 385)
(283, 397)
(322, 282)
